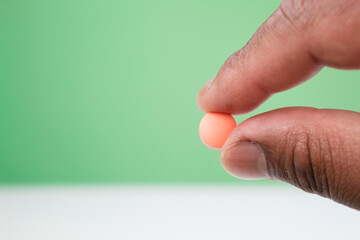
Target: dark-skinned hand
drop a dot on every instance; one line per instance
(317, 150)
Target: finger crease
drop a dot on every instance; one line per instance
(286, 16)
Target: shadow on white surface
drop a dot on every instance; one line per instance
(171, 212)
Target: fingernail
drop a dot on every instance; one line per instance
(207, 85)
(245, 160)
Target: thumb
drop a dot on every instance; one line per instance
(315, 150)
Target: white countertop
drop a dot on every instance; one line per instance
(171, 212)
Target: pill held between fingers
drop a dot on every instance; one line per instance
(215, 128)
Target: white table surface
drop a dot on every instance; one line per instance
(171, 212)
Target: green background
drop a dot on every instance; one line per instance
(105, 91)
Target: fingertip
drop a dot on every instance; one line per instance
(201, 94)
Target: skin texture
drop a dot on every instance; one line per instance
(317, 150)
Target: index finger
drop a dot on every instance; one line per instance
(281, 55)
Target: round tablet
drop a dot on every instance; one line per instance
(215, 128)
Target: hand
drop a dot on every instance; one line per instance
(317, 150)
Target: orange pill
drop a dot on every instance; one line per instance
(215, 128)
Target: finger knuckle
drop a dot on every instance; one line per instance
(309, 162)
(298, 14)
(309, 171)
